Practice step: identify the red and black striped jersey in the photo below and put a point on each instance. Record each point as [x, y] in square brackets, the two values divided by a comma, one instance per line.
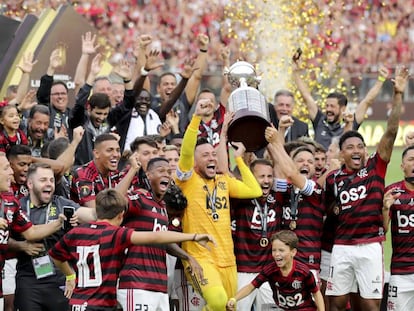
[358, 199]
[96, 251]
[402, 230]
[212, 129]
[145, 267]
[17, 222]
[291, 292]
[308, 226]
[87, 182]
[247, 228]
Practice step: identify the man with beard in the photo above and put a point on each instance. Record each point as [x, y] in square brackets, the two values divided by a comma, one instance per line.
[208, 196]
[320, 160]
[355, 193]
[37, 281]
[253, 223]
[92, 113]
[13, 219]
[98, 174]
[37, 131]
[328, 125]
[397, 209]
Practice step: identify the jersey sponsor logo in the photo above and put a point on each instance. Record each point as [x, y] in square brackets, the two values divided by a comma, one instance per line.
[404, 222]
[158, 227]
[4, 236]
[219, 203]
[352, 195]
[256, 222]
[81, 307]
[289, 300]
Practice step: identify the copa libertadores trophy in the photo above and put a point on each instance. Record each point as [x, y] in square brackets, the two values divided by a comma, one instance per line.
[249, 105]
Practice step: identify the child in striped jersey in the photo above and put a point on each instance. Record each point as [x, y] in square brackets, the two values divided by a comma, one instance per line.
[98, 248]
[293, 284]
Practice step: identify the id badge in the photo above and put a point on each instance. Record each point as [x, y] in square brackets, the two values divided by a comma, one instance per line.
[43, 266]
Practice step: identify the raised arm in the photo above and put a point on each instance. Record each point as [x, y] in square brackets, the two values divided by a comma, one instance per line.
[26, 67]
[284, 161]
[363, 106]
[186, 162]
[222, 154]
[43, 92]
[386, 143]
[67, 157]
[88, 48]
[303, 88]
[200, 66]
[226, 89]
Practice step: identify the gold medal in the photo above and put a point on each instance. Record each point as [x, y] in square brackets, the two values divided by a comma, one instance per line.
[264, 242]
[292, 225]
[336, 210]
[175, 222]
[215, 216]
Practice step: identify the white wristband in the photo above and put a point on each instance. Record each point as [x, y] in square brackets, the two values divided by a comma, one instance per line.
[144, 72]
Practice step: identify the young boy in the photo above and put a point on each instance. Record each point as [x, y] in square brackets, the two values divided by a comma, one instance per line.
[98, 249]
[292, 283]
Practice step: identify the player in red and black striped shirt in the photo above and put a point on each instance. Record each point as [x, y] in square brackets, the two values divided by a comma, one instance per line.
[293, 284]
[398, 208]
[99, 174]
[98, 249]
[251, 235]
[355, 192]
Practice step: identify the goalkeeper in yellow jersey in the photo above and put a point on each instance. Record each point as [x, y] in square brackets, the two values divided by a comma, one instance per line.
[209, 209]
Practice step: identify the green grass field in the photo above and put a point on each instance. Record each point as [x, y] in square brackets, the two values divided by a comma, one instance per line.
[394, 174]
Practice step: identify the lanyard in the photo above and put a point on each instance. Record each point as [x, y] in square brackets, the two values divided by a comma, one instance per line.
[47, 212]
[209, 132]
[212, 201]
[102, 182]
[294, 200]
[263, 216]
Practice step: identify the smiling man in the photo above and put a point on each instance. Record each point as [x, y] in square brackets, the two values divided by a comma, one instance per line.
[208, 208]
[355, 194]
[98, 174]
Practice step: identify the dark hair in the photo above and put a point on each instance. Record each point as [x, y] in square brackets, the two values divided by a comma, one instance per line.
[109, 203]
[202, 141]
[174, 198]
[152, 162]
[142, 140]
[168, 73]
[104, 137]
[42, 109]
[292, 145]
[58, 82]
[34, 166]
[411, 147]
[319, 148]
[57, 147]
[260, 161]
[17, 150]
[100, 101]
[296, 151]
[342, 100]
[349, 134]
[286, 236]
[3, 109]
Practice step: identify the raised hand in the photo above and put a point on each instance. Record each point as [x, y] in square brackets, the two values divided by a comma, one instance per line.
[203, 41]
[204, 107]
[55, 60]
[88, 44]
[188, 68]
[153, 61]
[27, 63]
[123, 69]
[239, 149]
[96, 64]
[401, 78]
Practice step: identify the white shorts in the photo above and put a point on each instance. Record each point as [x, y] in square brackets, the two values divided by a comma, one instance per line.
[1, 304]
[188, 298]
[401, 292]
[356, 267]
[9, 276]
[170, 262]
[139, 299]
[261, 298]
[325, 261]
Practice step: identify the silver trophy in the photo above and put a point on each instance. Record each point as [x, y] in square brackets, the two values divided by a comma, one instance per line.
[249, 105]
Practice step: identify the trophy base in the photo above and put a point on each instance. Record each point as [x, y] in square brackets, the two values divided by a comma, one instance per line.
[249, 128]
